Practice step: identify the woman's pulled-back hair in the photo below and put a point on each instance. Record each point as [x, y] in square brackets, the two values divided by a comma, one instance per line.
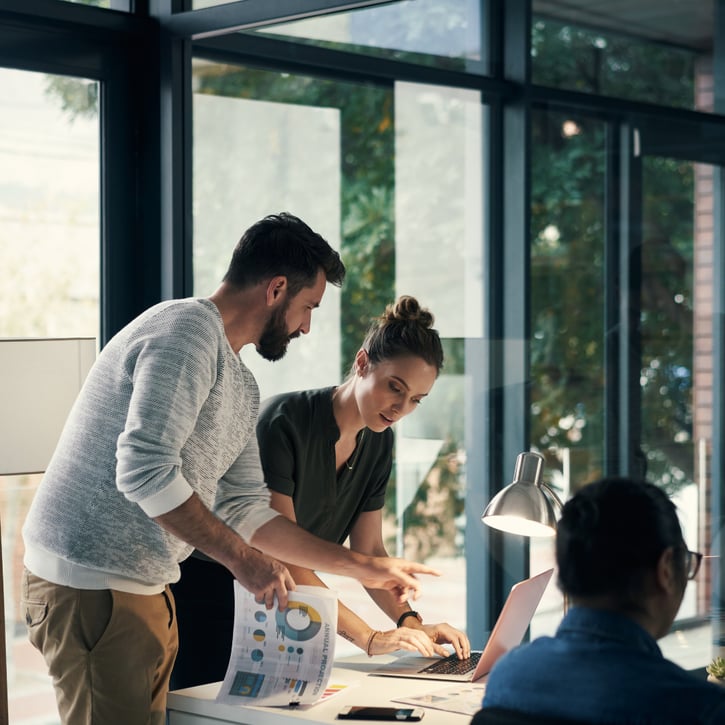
[405, 328]
[611, 533]
[282, 244]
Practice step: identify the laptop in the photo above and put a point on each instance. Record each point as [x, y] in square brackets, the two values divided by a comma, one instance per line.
[508, 632]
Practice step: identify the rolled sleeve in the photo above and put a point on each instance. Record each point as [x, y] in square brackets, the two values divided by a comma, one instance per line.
[168, 499]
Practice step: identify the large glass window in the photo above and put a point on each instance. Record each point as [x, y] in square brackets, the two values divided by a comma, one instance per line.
[661, 53]
[666, 320]
[567, 299]
[567, 314]
[49, 253]
[672, 341]
[676, 367]
[393, 177]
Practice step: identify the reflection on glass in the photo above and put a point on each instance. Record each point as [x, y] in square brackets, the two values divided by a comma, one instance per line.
[439, 33]
[614, 56]
[676, 361]
[360, 164]
[49, 254]
[666, 322]
[567, 301]
[567, 314]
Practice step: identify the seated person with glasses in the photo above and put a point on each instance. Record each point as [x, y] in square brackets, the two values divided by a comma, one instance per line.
[623, 566]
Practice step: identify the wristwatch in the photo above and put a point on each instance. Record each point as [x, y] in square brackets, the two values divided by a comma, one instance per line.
[409, 613]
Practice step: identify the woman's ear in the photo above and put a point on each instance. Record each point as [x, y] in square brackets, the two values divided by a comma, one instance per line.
[361, 362]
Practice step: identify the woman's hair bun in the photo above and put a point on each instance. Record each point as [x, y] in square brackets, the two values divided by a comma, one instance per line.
[407, 309]
[405, 328]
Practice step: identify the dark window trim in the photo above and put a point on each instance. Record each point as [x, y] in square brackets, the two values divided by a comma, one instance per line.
[118, 51]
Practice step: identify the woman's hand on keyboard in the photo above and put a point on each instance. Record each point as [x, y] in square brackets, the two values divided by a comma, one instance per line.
[424, 638]
[443, 633]
[407, 638]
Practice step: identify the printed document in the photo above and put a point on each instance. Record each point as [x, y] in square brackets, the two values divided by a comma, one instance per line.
[465, 698]
[281, 657]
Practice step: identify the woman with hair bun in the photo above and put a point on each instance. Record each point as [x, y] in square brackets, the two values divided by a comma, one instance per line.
[327, 455]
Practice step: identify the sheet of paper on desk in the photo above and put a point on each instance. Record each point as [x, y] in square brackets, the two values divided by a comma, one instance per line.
[281, 657]
[465, 698]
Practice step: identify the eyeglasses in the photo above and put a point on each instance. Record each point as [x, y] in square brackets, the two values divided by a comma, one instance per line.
[693, 559]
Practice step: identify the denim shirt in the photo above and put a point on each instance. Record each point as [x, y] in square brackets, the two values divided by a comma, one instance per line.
[603, 668]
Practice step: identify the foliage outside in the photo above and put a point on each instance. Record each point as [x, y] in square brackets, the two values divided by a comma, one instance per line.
[568, 248]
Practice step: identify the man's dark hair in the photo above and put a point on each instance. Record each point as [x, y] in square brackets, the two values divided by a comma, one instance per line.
[611, 533]
[282, 244]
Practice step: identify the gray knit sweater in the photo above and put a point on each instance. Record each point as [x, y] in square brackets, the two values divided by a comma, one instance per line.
[167, 409]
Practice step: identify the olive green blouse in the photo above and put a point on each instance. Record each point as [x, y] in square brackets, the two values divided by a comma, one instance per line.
[297, 433]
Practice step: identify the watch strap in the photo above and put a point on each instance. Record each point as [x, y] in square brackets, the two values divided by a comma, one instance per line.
[409, 613]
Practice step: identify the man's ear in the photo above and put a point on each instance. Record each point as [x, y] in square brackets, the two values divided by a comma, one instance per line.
[667, 571]
[361, 362]
[276, 290]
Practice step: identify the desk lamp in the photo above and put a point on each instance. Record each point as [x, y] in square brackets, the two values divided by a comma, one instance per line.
[39, 381]
[527, 506]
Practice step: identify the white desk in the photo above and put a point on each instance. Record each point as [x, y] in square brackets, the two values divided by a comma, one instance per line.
[196, 706]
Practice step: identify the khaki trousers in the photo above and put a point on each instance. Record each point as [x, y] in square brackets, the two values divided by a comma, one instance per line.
[109, 653]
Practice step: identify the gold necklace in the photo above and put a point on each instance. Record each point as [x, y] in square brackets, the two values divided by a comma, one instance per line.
[350, 462]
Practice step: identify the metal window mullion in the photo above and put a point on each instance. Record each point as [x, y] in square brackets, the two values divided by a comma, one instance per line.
[628, 421]
[612, 293]
[516, 273]
[174, 122]
[509, 555]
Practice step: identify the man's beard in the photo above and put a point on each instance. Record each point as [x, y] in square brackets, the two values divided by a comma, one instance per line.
[274, 339]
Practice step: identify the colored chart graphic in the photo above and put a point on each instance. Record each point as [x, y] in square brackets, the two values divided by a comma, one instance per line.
[299, 621]
[246, 684]
[259, 635]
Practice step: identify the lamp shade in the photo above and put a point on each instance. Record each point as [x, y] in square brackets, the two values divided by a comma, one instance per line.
[39, 382]
[526, 506]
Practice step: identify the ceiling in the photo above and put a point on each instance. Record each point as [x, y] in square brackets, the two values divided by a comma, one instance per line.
[687, 23]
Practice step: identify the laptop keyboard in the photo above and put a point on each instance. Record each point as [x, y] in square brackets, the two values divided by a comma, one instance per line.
[451, 665]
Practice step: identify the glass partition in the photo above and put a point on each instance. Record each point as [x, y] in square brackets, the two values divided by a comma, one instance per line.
[567, 296]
